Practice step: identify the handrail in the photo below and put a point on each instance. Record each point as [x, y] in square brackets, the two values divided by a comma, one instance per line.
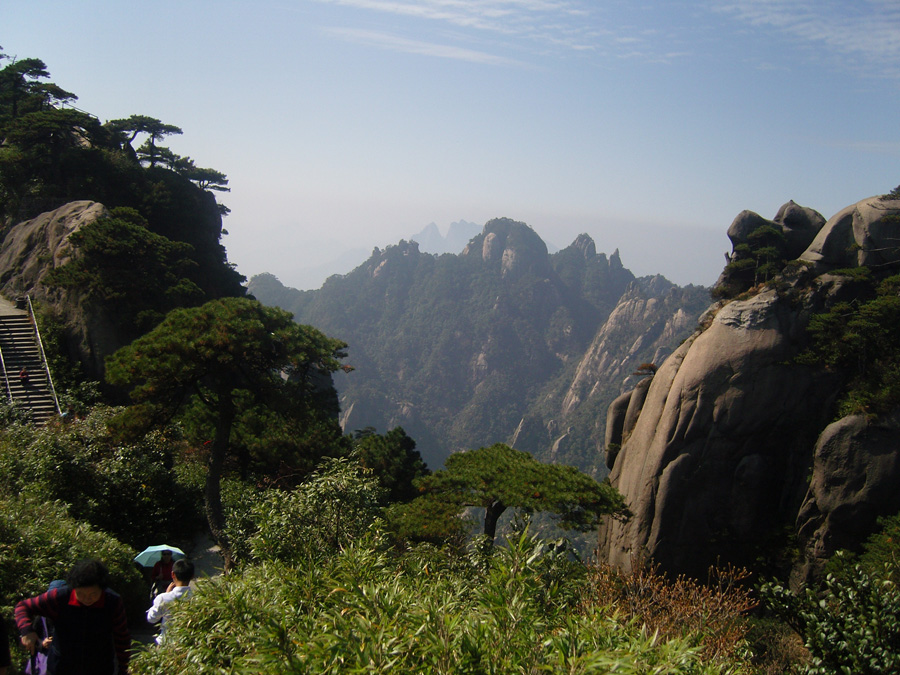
[40, 344]
[5, 378]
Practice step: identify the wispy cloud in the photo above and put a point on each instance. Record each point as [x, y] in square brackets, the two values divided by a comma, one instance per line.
[864, 33]
[561, 24]
[401, 44]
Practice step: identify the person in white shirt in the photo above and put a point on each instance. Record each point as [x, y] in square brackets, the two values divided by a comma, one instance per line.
[182, 573]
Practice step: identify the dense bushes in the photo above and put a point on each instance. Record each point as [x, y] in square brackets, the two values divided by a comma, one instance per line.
[851, 625]
[126, 490]
[328, 592]
[366, 609]
[39, 542]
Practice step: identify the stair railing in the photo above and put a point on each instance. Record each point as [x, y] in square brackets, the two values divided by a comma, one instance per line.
[40, 345]
[9, 395]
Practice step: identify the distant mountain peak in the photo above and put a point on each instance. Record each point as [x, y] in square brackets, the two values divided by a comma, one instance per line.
[585, 244]
[431, 240]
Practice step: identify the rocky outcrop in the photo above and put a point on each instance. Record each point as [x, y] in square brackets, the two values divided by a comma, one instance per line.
[514, 246]
[650, 317]
[712, 458]
[731, 444]
[34, 247]
[855, 474]
[798, 224]
[864, 234]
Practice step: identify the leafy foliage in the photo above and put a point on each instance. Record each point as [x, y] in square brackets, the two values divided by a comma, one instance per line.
[40, 541]
[332, 508]
[135, 274]
[862, 340]
[498, 477]
[126, 490]
[393, 460]
[364, 610]
[851, 625]
[51, 154]
[231, 356]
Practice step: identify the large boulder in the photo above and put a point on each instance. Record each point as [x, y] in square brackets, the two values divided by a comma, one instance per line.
[34, 247]
[855, 474]
[863, 234]
[798, 224]
[716, 461]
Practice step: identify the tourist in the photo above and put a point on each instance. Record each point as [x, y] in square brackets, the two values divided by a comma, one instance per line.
[180, 589]
[90, 627]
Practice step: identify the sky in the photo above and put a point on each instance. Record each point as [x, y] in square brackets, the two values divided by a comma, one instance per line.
[345, 125]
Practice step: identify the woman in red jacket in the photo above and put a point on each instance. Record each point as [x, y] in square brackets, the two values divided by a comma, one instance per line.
[90, 627]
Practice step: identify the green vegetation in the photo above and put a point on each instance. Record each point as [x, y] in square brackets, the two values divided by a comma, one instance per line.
[524, 607]
[128, 269]
[756, 261]
[232, 357]
[498, 477]
[52, 153]
[861, 341]
[393, 459]
[344, 553]
[850, 625]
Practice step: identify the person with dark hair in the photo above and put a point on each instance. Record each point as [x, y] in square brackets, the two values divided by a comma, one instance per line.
[180, 588]
[90, 627]
[161, 576]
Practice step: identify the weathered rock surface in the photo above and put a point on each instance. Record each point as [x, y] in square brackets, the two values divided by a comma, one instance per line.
[711, 459]
[34, 247]
[856, 471]
[798, 224]
[714, 457]
[864, 234]
[515, 246]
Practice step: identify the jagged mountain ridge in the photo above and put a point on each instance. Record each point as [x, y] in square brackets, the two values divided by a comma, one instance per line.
[489, 345]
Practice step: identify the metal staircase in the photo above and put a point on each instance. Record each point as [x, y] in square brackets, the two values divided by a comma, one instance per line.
[26, 377]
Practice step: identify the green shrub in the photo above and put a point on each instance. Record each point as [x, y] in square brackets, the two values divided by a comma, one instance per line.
[39, 542]
[850, 626]
[365, 609]
[335, 505]
[128, 490]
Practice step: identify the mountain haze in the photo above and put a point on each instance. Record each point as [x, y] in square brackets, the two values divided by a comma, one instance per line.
[430, 239]
[503, 342]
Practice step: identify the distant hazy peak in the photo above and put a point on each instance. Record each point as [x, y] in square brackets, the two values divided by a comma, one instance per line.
[586, 245]
[458, 235]
[615, 261]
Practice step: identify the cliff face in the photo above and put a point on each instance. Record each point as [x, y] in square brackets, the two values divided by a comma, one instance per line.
[29, 251]
[145, 278]
[729, 447]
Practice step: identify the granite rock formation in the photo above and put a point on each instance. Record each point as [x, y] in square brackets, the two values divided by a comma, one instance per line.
[29, 251]
[730, 445]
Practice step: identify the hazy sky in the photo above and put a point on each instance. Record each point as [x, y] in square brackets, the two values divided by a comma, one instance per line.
[355, 123]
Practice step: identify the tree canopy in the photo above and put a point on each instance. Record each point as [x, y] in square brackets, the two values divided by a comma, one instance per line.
[228, 356]
[498, 477]
[394, 461]
[135, 274]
